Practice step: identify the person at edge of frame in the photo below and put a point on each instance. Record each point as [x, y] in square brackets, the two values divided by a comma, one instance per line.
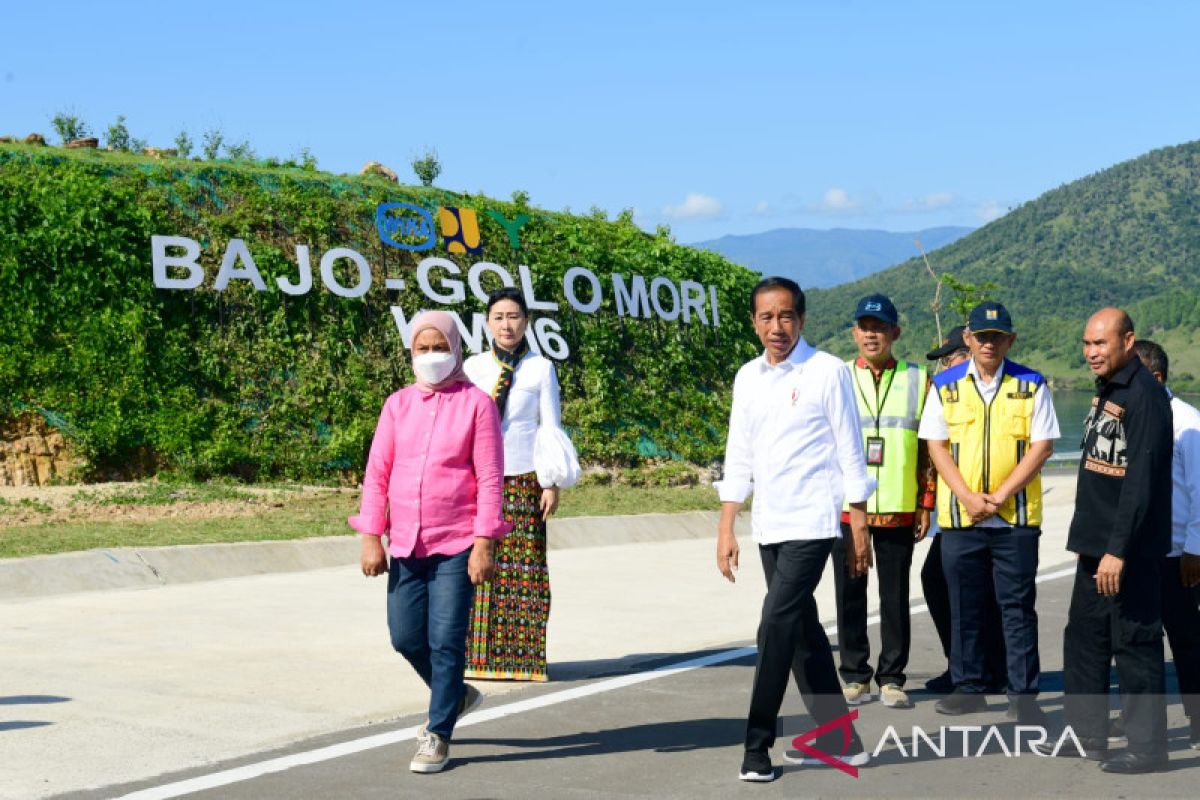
[1181, 566]
[795, 439]
[890, 396]
[991, 426]
[952, 352]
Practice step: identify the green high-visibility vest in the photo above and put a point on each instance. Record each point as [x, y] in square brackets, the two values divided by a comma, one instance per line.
[890, 410]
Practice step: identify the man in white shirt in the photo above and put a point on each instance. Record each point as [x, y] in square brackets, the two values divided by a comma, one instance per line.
[796, 441]
[1181, 567]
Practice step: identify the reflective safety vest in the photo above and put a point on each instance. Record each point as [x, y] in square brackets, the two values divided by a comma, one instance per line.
[987, 440]
[890, 413]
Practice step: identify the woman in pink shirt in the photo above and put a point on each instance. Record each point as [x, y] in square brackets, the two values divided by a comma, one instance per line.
[433, 487]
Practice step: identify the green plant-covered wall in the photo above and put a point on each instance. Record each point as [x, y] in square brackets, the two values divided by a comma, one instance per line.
[267, 385]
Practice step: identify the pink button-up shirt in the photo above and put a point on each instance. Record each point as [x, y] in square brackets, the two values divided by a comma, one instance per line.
[435, 474]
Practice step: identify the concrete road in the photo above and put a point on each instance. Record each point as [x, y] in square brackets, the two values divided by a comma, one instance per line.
[102, 689]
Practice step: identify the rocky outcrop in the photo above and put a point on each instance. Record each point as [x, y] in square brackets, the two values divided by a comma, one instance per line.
[160, 152]
[34, 454]
[87, 141]
[7, 139]
[375, 168]
[35, 138]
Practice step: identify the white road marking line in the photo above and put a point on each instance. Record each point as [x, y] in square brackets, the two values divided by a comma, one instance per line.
[226, 777]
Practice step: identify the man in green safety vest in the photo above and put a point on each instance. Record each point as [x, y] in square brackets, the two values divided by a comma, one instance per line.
[891, 396]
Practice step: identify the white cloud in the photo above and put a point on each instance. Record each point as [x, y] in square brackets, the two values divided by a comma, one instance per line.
[762, 208]
[930, 202]
[839, 201]
[990, 210]
[695, 206]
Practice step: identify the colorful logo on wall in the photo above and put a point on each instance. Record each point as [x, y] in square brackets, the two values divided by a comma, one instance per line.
[460, 229]
[409, 227]
[405, 226]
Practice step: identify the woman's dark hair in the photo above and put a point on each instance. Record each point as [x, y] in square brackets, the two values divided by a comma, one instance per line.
[776, 282]
[508, 293]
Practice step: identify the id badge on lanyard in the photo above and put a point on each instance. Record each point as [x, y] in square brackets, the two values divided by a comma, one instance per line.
[874, 451]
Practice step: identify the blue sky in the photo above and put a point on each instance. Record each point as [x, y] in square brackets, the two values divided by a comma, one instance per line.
[713, 118]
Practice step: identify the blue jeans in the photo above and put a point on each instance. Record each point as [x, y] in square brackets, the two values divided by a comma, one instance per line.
[428, 608]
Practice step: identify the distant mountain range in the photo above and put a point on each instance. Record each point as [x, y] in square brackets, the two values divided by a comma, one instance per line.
[1127, 236]
[823, 258]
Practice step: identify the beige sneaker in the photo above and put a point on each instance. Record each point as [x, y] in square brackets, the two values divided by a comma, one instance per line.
[432, 754]
[857, 693]
[893, 696]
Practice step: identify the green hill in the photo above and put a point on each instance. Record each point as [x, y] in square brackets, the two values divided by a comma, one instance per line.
[1126, 236]
[251, 380]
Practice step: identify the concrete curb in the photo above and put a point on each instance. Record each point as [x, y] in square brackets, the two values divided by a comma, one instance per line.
[152, 567]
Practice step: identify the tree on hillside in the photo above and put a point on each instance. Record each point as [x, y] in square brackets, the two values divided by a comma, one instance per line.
[183, 144]
[68, 126]
[117, 136]
[241, 151]
[213, 139]
[427, 167]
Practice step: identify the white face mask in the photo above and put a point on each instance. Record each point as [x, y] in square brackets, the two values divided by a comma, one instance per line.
[433, 368]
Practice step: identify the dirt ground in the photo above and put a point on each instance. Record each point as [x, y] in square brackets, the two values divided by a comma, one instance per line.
[144, 501]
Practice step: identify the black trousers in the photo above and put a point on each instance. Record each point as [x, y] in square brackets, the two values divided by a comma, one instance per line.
[790, 637]
[1009, 556]
[937, 597]
[1181, 618]
[1127, 628]
[893, 560]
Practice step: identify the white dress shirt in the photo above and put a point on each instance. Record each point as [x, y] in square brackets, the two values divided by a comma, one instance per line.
[534, 440]
[1185, 479]
[795, 440]
[1042, 426]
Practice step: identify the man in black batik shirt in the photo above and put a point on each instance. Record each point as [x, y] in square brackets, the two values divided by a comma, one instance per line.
[1121, 530]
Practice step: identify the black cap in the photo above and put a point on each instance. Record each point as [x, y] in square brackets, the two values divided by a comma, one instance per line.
[989, 316]
[879, 307]
[951, 344]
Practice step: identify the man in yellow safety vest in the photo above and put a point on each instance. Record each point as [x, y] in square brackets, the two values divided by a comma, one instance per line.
[990, 425]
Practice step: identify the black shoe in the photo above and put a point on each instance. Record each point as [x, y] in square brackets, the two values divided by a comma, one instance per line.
[1026, 711]
[1129, 763]
[1092, 750]
[757, 767]
[960, 702]
[942, 684]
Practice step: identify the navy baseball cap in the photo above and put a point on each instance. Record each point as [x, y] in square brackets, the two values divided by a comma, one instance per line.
[879, 307]
[951, 344]
[989, 316]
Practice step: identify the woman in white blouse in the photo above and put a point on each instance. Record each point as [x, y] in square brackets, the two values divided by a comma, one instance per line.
[507, 636]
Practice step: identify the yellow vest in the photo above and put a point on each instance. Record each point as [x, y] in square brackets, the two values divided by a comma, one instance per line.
[988, 440]
[891, 411]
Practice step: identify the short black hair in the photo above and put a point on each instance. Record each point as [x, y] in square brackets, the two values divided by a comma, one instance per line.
[1125, 326]
[1153, 357]
[508, 293]
[777, 282]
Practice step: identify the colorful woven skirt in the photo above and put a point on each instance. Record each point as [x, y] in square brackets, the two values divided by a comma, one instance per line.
[507, 636]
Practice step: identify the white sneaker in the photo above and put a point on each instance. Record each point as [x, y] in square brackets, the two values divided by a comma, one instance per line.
[860, 759]
[433, 752]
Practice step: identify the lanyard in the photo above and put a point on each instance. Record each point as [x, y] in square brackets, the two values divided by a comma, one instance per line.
[878, 412]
